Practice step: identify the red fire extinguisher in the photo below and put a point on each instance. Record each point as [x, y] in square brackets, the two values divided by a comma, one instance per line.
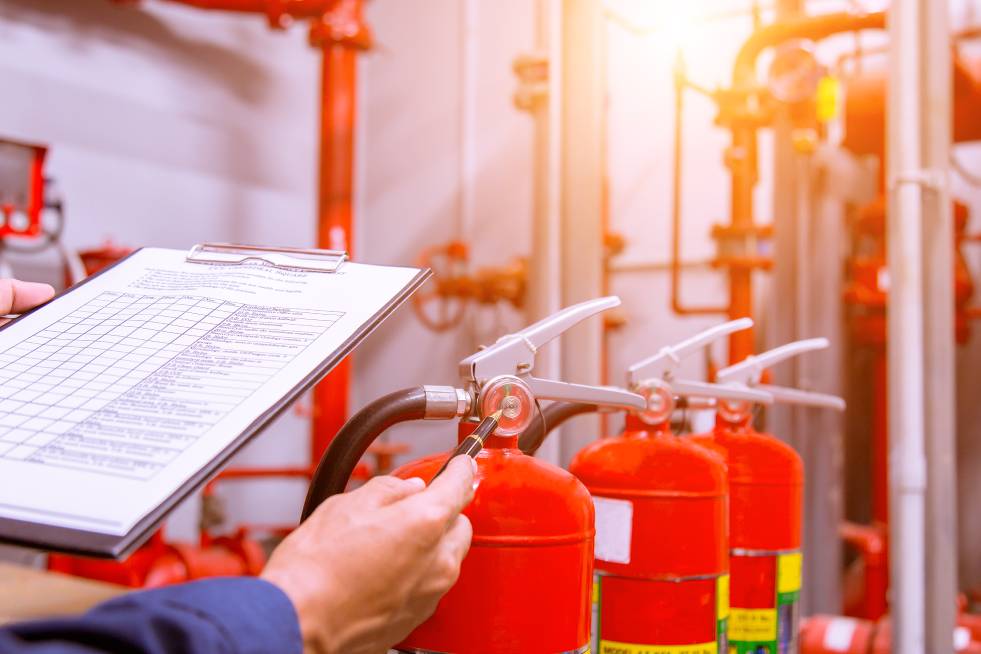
[661, 581]
[529, 569]
[766, 484]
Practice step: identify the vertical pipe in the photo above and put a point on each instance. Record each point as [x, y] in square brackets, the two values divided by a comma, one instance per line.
[907, 477]
[939, 338]
[545, 274]
[781, 323]
[338, 93]
[468, 118]
[583, 128]
[880, 439]
[742, 160]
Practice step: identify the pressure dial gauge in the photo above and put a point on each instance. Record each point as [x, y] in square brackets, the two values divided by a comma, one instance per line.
[794, 73]
[660, 402]
[513, 398]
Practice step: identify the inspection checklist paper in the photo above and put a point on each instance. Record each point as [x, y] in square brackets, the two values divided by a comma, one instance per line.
[121, 396]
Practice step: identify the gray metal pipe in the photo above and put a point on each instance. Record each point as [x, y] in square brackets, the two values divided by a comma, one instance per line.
[939, 336]
[545, 263]
[907, 460]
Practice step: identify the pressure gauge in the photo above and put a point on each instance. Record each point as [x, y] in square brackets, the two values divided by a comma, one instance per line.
[660, 402]
[513, 399]
[794, 73]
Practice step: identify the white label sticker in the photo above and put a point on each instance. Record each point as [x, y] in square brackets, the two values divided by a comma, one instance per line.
[962, 638]
[838, 637]
[614, 529]
[882, 279]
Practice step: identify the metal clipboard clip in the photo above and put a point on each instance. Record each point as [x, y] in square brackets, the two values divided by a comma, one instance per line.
[297, 259]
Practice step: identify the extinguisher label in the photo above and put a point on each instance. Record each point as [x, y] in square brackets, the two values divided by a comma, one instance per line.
[752, 625]
[755, 627]
[610, 647]
[789, 568]
[614, 529]
[601, 645]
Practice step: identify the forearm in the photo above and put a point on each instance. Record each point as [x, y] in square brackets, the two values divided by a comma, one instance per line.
[233, 615]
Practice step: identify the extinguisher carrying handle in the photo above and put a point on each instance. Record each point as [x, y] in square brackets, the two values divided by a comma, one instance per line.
[785, 395]
[750, 370]
[667, 360]
[691, 388]
[360, 431]
[549, 418]
[514, 355]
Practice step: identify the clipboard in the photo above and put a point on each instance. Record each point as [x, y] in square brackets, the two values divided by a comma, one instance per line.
[292, 263]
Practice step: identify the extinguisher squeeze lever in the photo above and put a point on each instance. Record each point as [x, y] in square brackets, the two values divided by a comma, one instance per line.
[749, 373]
[513, 356]
[653, 379]
[657, 373]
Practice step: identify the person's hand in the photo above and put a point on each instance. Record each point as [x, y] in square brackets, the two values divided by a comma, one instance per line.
[368, 566]
[17, 296]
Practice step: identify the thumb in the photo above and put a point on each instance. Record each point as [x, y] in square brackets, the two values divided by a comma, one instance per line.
[17, 296]
[453, 489]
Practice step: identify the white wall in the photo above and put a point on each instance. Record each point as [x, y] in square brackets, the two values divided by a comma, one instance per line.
[168, 126]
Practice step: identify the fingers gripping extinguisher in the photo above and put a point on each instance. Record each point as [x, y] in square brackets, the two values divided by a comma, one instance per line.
[661, 564]
[766, 483]
[524, 587]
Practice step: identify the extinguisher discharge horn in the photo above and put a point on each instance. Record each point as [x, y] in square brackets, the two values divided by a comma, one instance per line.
[748, 373]
[656, 376]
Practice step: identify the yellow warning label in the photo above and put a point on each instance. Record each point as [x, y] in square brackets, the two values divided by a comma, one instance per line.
[722, 597]
[595, 591]
[752, 624]
[611, 647]
[789, 572]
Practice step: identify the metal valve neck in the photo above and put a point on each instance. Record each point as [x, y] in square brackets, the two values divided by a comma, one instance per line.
[636, 425]
[734, 416]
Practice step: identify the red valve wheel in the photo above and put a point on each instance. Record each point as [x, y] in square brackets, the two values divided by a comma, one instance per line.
[442, 303]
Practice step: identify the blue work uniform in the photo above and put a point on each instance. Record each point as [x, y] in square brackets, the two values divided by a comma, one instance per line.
[233, 615]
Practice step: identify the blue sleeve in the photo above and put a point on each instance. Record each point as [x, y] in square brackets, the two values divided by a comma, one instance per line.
[233, 615]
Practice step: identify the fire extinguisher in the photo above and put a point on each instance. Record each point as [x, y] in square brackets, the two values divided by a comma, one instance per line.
[766, 484]
[661, 581]
[529, 568]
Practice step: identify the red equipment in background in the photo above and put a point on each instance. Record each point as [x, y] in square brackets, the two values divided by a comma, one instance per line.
[21, 188]
[825, 634]
[867, 581]
[766, 487]
[443, 303]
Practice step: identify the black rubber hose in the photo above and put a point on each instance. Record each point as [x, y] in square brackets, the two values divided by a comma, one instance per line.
[548, 419]
[354, 438]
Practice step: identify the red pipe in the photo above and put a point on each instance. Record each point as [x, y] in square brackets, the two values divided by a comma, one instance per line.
[805, 27]
[279, 12]
[340, 35]
[742, 153]
[869, 599]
